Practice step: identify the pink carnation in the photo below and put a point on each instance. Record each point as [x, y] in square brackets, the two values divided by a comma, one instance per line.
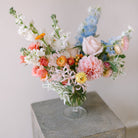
[34, 46]
[92, 66]
[125, 43]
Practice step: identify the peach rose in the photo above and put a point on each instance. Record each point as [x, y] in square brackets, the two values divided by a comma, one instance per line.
[91, 46]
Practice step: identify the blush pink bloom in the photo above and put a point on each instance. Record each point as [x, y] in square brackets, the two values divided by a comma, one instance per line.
[125, 43]
[43, 61]
[52, 59]
[92, 66]
[22, 59]
[91, 46]
[34, 71]
[34, 46]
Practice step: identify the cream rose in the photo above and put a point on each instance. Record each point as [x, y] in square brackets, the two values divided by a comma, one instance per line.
[91, 46]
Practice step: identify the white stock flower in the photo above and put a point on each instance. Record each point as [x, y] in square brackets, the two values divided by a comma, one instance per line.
[34, 56]
[61, 43]
[25, 32]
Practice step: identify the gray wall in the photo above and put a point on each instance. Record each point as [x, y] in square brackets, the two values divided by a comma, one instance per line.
[18, 88]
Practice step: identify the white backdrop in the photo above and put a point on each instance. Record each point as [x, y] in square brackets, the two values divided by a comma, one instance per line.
[18, 89]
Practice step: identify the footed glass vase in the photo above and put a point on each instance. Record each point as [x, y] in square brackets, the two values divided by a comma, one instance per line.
[75, 110]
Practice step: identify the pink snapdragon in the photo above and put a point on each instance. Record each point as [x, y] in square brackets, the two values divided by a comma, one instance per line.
[92, 66]
[125, 43]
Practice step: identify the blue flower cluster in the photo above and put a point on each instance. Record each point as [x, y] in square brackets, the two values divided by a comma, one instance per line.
[110, 50]
[89, 26]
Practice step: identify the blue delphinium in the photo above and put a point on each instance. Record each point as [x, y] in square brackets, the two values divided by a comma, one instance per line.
[109, 49]
[89, 26]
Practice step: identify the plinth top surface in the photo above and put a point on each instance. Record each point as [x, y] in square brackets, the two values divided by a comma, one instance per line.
[52, 122]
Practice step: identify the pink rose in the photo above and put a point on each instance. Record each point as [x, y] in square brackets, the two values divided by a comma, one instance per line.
[91, 46]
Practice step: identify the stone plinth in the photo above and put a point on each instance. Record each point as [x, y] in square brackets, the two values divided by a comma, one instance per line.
[49, 122]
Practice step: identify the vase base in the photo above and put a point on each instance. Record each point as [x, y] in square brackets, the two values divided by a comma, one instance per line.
[75, 112]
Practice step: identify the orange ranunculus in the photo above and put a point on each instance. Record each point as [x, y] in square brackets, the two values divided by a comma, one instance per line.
[40, 36]
[61, 61]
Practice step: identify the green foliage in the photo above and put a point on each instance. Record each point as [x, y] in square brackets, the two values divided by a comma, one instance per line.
[122, 56]
[55, 25]
[12, 11]
[113, 66]
[34, 30]
[23, 49]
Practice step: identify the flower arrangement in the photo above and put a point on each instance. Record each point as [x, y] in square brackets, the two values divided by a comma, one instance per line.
[65, 67]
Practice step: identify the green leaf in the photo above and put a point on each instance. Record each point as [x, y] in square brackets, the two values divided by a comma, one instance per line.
[53, 16]
[113, 66]
[122, 56]
[69, 87]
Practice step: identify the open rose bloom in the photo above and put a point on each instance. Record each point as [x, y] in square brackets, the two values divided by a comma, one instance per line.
[67, 67]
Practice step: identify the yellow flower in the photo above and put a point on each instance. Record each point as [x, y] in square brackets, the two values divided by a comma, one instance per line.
[81, 77]
[40, 36]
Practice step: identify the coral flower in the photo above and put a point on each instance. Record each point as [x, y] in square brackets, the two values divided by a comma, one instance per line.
[64, 82]
[43, 61]
[40, 36]
[61, 61]
[34, 71]
[42, 73]
[34, 46]
[22, 59]
[92, 66]
[125, 43]
[70, 61]
[81, 77]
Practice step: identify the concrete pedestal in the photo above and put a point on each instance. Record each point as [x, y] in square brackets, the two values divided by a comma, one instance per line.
[48, 120]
